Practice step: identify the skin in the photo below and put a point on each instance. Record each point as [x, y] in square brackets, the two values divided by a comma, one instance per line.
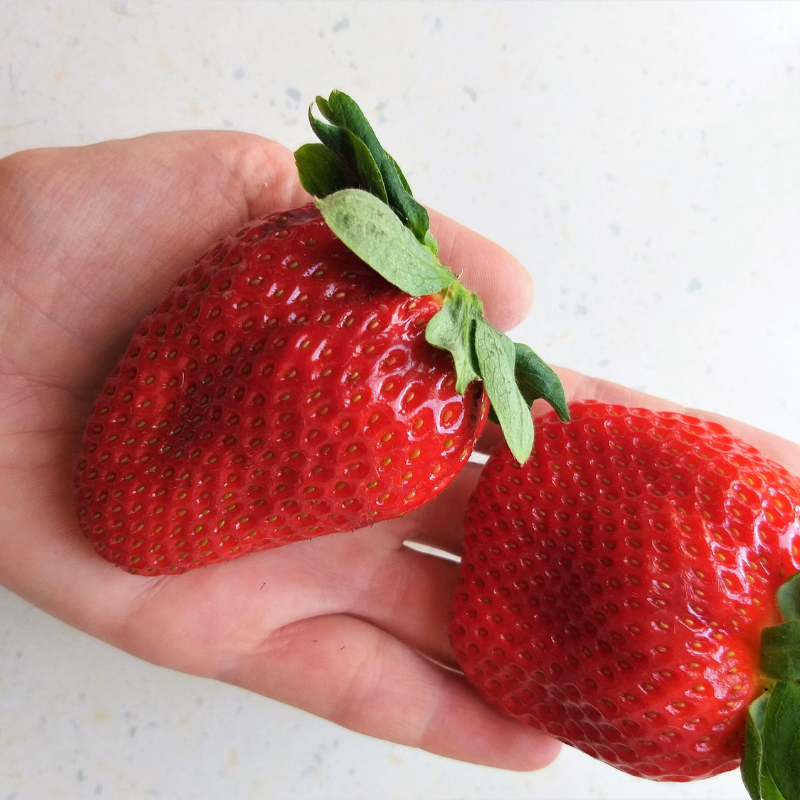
[351, 627]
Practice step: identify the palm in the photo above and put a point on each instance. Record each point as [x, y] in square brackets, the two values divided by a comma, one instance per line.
[351, 626]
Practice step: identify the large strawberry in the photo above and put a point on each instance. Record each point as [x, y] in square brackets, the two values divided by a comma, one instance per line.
[616, 587]
[316, 371]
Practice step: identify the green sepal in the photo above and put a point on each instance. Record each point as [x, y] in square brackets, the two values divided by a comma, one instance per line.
[431, 243]
[428, 240]
[453, 329]
[771, 761]
[338, 142]
[357, 160]
[755, 776]
[347, 114]
[769, 791]
[753, 748]
[538, 381]
[320, 170]
[496, 357]
[781, 737]
[370, 229]
[788, 596]
[399, 173]
[325, 109]
[349, 135]
[368, 170]
[780, 651]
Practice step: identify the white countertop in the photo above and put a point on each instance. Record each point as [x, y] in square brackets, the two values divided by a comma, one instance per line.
[642, 160]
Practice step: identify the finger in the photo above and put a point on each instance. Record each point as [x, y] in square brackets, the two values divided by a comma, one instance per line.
[778, 449]
[584, 387]
[368, 574]
[501, 282]
[332, 665]
[581, 387]
[360, 677]
[440, 522]
[408, 594]
[578, 386]
[231, 608]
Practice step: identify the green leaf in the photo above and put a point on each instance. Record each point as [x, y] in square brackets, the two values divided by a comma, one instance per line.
[789, 598]
[769, 791]
[781, 736]
[334, 139]
[373, 232]
[320, 170]
[753, 752]
[325, 109]
[346, 113]
[428, 239]
[431, 243]
[399, 173]
[453, 329]
[404, 203]
[348, 134]
[357, 163]
[780, 651]
[537, 381]
[369, 174]
[496, 357]
[755, 776]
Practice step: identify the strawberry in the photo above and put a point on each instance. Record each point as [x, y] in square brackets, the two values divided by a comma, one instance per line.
[317, 371]
[618, 590]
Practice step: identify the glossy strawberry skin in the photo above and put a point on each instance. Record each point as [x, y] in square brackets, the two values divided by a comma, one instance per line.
[613, 589]
[281, 390]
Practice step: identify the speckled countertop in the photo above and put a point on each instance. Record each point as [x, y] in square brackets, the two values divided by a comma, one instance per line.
[641, 159]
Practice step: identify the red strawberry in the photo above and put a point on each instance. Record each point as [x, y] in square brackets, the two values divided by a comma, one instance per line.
[614, 588]
[282, 388]
[285, 388]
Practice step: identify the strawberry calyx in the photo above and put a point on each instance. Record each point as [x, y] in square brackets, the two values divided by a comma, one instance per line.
[367, 202]
[771, 762]
[349, 156]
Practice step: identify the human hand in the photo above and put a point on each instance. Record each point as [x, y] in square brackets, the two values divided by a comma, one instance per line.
[349, 626]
